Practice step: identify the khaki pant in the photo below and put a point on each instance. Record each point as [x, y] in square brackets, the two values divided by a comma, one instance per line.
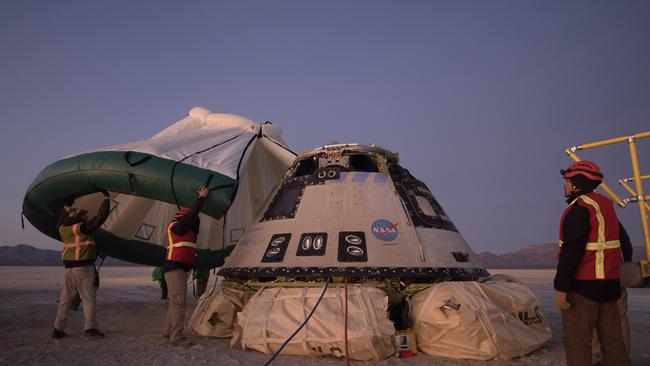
[578, 324]
[177, 287]
[625, 327]
[78, 280]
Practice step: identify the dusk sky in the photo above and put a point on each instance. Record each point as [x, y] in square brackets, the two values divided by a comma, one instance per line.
[480, 98]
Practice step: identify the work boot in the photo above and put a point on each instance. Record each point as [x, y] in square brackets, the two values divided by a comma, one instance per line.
[93, 334]
[58, 333]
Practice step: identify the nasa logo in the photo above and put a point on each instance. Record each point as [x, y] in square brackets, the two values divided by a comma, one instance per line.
[384, 230]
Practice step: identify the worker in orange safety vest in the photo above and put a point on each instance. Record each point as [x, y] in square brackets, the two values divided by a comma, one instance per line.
[181, 236]
[587, 281]
[79, 254]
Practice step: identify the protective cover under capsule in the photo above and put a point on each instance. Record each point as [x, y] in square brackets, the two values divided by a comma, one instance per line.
[350, 210]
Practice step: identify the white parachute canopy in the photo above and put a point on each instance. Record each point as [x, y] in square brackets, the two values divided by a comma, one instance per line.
[252, 154]
[214, 141]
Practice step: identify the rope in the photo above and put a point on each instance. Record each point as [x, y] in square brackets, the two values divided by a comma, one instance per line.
[299, 328]
[171, 178]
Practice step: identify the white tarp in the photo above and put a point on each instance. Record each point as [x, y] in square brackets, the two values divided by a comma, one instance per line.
[481, 321]
[224, 143]
[273, 314]
[222, 138]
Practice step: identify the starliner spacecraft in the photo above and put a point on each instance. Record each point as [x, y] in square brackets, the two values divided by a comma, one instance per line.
[350, 250]
[351, 210]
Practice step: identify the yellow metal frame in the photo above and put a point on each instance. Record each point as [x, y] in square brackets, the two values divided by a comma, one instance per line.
[633, 198]
[637, 193]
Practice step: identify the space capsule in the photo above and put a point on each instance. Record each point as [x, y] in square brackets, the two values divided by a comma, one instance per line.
[352, 256]
[351, 210]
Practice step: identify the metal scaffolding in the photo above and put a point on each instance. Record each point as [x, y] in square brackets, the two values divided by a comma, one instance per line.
[637, 194]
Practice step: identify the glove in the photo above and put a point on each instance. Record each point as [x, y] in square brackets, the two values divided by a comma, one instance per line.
[203, 192]
[105, 193]
[560, 301]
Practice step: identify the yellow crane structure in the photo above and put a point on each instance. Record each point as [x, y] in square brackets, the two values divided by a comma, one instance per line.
[636, 274]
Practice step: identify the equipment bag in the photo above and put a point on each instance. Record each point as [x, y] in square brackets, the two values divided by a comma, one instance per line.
[481, 321]
[273, 314]
[216, 312]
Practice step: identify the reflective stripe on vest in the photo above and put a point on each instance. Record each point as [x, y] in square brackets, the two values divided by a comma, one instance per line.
[603, 247]
[171, 245]
[77, 244]
[602, 244]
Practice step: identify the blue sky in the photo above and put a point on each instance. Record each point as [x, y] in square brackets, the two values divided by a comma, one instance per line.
[480, 98]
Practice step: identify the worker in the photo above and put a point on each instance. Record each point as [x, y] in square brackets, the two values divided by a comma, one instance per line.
[157, 275]
[587, 281]
[78, 256]
[181, 251]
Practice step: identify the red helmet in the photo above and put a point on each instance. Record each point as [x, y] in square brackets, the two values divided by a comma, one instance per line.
[182, 212]
[586, 168]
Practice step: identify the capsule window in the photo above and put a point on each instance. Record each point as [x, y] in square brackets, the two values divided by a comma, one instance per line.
[285, 203]
[425, 206]
[362, 163]
[306, 167]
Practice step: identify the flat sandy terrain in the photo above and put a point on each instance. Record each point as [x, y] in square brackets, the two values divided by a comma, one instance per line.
[131, 314]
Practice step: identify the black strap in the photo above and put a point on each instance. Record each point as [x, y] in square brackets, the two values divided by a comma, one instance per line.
[142, 160]
[132, 183]
[282, 146]
[207, 181]
[171, 178]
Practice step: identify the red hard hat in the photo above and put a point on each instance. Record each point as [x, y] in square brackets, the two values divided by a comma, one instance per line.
[587, 168]
[182, 212]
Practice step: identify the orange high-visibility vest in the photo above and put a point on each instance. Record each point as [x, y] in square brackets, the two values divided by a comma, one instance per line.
[603, 257]
[181, 248]
[77, 246]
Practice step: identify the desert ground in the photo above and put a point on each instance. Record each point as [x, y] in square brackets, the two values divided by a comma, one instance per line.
[131, 314]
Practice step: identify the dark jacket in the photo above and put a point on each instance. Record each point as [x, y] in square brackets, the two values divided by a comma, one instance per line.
[87, 227]
[189, 221]
[575, 233]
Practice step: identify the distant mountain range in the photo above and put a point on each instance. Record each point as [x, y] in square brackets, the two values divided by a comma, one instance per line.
[535, 256]
[27, 255]
[531, 256]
